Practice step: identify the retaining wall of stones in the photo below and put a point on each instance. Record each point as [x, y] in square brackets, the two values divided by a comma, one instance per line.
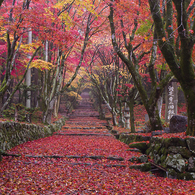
[176, 155]
[14, 133]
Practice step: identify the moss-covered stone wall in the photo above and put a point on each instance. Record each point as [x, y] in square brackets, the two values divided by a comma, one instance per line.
[176, 155]
[14, 133]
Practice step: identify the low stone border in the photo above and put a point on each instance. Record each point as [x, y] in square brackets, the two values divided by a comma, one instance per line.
[176, 155]
[14, 133]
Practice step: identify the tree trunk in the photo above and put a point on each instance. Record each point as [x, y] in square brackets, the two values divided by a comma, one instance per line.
[182, 67]
[191, 119]
[28, 82]
[155, 122]
[190, 102]
[114, 120]
[56, 106]
[47, 117]
[35, 93]
[16, 114]
[28, 75]
[121, 122]
[55, 112]
[1, 101]
[48, 113]
[131, 110]
[101, 112]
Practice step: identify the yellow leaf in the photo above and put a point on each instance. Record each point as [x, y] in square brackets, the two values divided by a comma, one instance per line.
[146, 37]
[41, 64]
[163, 39]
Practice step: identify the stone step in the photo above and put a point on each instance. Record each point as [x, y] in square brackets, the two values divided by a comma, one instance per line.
[82, 134]
[83, 127]
[112, 158]
[77, 116]
[83, 164]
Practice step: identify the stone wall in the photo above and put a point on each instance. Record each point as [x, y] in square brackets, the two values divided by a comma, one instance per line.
[176, 155]
[129, 138]
[14, 133]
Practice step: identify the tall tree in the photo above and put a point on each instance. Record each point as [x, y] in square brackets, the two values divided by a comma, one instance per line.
[176, 42]
[14, 39]
[133, 56]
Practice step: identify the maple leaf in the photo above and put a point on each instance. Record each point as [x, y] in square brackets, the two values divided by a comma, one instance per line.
[41, 64]
[129, 85]
[163, 39]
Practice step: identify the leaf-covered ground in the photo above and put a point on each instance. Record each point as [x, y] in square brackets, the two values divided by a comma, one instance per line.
[82, 158]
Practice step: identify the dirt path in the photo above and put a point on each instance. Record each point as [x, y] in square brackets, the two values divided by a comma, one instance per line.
[82, 158]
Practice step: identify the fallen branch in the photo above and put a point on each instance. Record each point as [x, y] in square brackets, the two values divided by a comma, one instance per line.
[158, 166]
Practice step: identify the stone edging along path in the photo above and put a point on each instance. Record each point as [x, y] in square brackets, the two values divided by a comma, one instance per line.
[174, 154]
[15, 133]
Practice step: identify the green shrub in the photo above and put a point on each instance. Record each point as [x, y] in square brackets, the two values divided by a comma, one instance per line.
[23, 112]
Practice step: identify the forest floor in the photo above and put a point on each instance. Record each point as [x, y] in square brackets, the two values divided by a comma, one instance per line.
[83, 158]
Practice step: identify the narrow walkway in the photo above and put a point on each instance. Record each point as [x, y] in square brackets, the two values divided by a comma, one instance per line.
[81, 159]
